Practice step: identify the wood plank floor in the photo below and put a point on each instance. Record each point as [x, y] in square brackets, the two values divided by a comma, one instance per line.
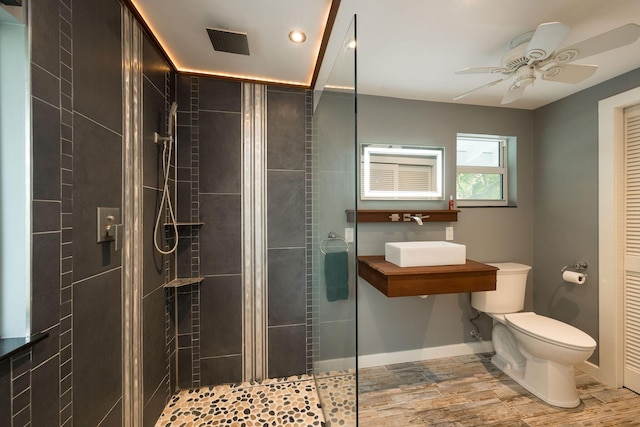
[470, 391]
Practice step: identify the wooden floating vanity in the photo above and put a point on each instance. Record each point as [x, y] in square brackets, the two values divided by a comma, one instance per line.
[394, 281]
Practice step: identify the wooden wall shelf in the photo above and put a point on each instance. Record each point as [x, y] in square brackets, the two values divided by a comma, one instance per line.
[394, 281]
[376, 215]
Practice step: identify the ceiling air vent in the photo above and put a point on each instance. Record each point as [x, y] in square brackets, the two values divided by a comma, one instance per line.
[229, 41]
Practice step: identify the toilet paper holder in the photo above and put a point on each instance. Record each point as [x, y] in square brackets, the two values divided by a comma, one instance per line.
[578, 267]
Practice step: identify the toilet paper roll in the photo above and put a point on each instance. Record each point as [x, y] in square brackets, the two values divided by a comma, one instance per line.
[574, 277]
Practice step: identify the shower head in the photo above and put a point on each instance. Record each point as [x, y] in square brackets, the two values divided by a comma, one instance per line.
[173, 116]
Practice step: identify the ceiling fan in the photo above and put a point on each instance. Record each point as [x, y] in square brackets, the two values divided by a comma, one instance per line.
[535, 52]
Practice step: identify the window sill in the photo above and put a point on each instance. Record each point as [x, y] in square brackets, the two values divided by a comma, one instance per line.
[11, 346]
[487, 206]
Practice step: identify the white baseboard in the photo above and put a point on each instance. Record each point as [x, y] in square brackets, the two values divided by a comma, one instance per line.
[462, 349]
[590, 369]
[380, 359]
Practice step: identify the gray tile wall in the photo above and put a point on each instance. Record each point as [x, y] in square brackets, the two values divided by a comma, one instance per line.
[158, 339]
[210, 170]
[286, 236]
[74, 377]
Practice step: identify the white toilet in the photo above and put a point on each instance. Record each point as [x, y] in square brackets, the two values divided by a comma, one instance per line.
[536, 351]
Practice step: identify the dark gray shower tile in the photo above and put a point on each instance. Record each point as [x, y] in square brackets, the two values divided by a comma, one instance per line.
[97, 68]
[183, 202]
[285, 130]
[114, 417]
[46, 151]
[46, 348]
[98, 180]
[221, 316]
[5, 392]
[45, 281]
[173, 367]
[45, 86]
[287, 351]
[183, 147]
[184, 310]
[183, 97]
[153, 121]
[46, 216]
[221, 234]
[45, 48]
[220, 152]
[44, 393]
[185, 368]
[221, 370]
[183, 257]
[97, 347]
[285, 209]
[153, 261]
[154, 357]
[220, 95]
[154, 66]
[287, 286]
[152, 410]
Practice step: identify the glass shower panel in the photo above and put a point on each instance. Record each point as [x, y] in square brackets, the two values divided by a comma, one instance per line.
[334, 281]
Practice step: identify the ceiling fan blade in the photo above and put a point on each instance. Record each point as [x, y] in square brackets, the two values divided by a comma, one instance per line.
[569, 73]
[514, 92]
[481, 87]
[481, 70]
[546, 39]
[613, 39]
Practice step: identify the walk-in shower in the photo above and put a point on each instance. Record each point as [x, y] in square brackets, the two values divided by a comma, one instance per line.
[168, 144]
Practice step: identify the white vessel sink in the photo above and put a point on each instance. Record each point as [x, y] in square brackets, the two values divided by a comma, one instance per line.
[424, 254]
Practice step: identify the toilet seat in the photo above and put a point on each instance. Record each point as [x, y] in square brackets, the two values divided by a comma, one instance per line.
[550, 330]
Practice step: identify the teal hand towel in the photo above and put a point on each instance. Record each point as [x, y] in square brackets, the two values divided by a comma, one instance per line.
[336, 275]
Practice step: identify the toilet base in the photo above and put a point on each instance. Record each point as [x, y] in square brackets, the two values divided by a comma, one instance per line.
[552, 382]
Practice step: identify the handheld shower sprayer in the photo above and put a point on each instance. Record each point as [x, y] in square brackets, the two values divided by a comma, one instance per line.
[173, 118]
[167, 155]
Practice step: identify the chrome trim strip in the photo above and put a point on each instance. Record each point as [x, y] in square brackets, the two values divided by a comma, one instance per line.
[255, 348]
[132, 220]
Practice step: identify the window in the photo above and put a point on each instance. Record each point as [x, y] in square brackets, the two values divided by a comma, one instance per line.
[481, 170]
[15, 193]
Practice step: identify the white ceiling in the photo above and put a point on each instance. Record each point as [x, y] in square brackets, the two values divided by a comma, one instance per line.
[406, 48]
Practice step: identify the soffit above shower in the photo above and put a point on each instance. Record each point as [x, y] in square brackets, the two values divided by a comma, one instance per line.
[181, 30]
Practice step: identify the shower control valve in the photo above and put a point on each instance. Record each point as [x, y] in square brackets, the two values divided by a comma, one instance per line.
[109, 226]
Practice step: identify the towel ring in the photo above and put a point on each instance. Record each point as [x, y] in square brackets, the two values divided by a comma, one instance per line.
[330, 237]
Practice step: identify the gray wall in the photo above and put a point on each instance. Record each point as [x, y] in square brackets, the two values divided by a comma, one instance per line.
[566, 203]
[490, 234]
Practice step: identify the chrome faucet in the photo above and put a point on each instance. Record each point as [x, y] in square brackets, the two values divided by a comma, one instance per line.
[407, 217]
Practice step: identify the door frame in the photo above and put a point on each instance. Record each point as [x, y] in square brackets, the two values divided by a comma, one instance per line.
[611, 235]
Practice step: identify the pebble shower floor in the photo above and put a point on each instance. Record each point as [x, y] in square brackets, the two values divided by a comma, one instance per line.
[291, 401]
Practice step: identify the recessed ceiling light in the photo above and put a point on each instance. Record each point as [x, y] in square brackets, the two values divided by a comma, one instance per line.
[297, 36]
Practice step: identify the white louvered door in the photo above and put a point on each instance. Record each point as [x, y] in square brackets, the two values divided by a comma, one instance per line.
[632, 250]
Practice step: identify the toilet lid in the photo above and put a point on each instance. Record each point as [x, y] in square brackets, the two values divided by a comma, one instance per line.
[550, 330]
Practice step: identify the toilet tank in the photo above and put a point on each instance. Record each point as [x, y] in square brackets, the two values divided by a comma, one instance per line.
[511, 283]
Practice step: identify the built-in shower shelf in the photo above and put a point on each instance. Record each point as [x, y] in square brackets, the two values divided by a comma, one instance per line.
[183, 281]
[184, 224]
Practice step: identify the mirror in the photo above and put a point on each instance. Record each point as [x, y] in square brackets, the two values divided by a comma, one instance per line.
[401, 172]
